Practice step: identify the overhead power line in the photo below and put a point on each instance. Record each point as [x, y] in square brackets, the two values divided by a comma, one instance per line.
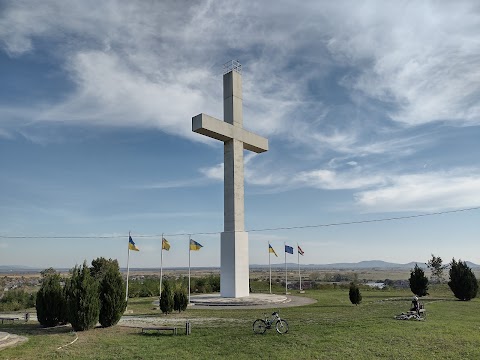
[251, 230]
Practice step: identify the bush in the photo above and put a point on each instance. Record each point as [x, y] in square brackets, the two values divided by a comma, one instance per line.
[50, 301]
[166, 300]
[15, 300]
[83, 304]
[354, 294]
[214, 281]
[112, 295]
[462, 282]
[180, 299]
[418, 281]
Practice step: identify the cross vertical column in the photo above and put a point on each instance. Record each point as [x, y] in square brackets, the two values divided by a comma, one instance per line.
[233, 155]
[234, 264]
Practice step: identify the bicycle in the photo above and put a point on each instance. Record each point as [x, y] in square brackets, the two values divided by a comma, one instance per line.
[260, 325]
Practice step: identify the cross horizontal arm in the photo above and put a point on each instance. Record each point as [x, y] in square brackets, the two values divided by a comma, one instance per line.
[223, 131]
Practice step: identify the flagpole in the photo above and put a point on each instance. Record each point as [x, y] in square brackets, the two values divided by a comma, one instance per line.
[298, 259]
[128, 267]
[189, 251]
[270, 267]
[285, 250]
[161, 272]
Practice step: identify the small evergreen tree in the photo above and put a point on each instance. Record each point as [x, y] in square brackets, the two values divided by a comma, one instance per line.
[180, 299]
[50, 302]
[112, 296]
[418, 281]
[83, 305]
[166, 299]
[463, 282]
[354, 294]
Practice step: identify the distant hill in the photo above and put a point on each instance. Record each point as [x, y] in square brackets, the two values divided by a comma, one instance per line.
[368, 264]
[14, 267]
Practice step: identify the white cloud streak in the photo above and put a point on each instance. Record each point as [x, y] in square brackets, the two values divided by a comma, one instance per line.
[424, 192]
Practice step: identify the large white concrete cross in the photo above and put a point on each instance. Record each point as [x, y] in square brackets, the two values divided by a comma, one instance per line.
[234, 264]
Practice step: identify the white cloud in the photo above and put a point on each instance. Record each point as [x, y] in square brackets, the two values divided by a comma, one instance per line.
[420, 56]
[413, 55]
[214, 172]
[111, 93]
[332, 180]
[167, 184]
[424, 192]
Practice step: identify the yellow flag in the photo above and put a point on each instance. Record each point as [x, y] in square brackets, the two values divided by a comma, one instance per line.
[165, 244]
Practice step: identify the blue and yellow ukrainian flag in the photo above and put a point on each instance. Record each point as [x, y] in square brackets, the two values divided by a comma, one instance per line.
[195, 245]
[270, 250]
[131, 244]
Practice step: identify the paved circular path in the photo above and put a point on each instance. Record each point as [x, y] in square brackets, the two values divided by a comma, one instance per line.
[254, 301]
[178, 319]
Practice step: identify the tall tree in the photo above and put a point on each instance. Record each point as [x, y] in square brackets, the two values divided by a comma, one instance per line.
[112, 291]
[83, 305]
[50, 301]
[436, 268]
[463, 282]
[418, 281]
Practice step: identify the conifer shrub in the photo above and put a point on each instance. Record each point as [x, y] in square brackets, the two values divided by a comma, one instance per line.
[354, 294]
[463, 282]
[418, 281]
[82, 298]
[166, 299]
[112, 294]
[50, 301]
[180, 299]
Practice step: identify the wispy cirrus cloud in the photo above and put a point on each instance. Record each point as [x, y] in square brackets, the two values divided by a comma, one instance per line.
[172, 184]
[424, 192]
[126, 62]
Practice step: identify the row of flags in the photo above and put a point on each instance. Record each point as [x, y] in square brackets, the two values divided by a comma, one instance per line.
[194, 246]
[288, 249]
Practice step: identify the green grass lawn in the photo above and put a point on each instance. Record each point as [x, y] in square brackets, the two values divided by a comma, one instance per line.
[332, 328]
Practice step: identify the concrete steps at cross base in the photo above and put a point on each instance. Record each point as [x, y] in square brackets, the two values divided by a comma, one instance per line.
[7, 340]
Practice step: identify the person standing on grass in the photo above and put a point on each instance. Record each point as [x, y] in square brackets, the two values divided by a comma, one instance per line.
[415, 306]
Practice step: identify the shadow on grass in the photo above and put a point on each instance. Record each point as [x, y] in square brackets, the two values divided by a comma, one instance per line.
[36, 329]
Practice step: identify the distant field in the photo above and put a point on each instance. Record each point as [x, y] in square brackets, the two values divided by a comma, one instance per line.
[330, 329]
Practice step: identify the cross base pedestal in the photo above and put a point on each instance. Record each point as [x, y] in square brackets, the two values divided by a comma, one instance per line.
[234, 265]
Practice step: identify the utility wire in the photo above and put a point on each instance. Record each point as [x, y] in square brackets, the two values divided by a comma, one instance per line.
[251, 230]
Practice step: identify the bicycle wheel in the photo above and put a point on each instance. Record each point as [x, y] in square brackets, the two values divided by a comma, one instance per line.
[259, 326]
[282, 326]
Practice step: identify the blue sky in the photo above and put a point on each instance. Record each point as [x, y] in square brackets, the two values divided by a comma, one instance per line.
[371, 110]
